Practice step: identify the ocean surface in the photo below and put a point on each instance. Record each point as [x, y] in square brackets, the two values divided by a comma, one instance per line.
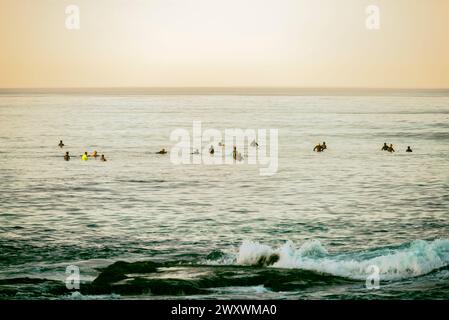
[140, 227]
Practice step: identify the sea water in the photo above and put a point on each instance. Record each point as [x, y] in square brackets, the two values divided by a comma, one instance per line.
[316, 229]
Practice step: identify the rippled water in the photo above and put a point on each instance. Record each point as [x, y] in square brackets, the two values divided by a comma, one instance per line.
[310, 231]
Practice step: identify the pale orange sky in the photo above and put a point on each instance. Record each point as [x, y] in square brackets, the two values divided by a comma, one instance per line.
[215, 43]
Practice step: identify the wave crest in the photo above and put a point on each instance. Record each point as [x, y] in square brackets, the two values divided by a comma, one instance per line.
[416, 258]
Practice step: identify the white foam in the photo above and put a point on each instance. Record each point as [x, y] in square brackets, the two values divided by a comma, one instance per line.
[415, 259]
[243, 290]
[76, 295]
[251, 252]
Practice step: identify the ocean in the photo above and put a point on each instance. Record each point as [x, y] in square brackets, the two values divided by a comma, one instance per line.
[352, 222]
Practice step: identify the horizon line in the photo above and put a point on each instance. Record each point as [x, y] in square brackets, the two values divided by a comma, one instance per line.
[218, 90]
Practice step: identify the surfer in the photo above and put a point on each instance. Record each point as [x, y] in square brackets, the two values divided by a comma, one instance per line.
[163, 151]
[67, 156]
[318, 148]
[254, 144]
[102, 158]
[61, 144]
[390, 148]
[94, 154]
[323, 146]
[385, 147]
[409, 149]
[84, 157]
[196, 152]
[211, 150]
[239, 157]
[234, 153]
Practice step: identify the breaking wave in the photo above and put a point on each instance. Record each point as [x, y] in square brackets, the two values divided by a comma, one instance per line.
[413, 259]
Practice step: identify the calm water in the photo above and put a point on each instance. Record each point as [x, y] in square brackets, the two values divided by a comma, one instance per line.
[310, 231]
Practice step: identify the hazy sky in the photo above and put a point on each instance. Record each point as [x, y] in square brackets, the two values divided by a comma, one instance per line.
[209, 43]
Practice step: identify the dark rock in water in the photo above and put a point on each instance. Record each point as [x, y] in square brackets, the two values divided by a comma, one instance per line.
[144, 278]
[264, 261]
[110, 281]
[215, 255]
[289, 280]
[19, 288]
[25, 280]
[118, 270]
[173, 287]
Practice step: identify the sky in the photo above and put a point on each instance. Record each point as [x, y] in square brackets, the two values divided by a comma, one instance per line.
[224, 43]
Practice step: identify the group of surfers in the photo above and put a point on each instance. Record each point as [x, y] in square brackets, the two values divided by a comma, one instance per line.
[390, 148]
[235, 154]
[84, 157]
[320, 147]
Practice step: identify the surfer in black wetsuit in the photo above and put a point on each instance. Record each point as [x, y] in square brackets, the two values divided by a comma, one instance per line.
[163, 151]
[61, 144]
[323, 146]
[67, 156]
[211, 150]
[318, 148]
[390, 148]
[385, 147]
[254, 144]
[409, 149]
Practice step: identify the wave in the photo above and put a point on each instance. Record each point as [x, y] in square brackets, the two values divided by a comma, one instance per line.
[413, 259]
[141, 180]
[259, 269]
